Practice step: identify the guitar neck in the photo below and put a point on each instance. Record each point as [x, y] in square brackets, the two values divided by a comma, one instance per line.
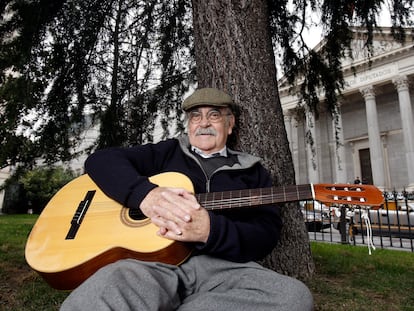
[254, 197]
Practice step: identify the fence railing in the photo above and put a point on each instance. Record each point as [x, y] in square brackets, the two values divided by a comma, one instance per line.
[390, 226]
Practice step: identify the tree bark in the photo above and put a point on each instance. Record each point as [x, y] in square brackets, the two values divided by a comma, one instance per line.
[233, 50]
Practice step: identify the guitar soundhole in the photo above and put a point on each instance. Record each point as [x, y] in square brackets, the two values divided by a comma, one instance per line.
[133, 217]
[135, 214]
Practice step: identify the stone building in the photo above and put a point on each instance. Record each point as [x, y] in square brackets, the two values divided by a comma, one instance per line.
[375, 129]
[4, 174]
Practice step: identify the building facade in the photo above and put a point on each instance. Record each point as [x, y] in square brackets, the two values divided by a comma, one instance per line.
[373, 137]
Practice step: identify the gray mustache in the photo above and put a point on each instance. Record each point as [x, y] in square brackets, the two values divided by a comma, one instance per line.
[206, 131]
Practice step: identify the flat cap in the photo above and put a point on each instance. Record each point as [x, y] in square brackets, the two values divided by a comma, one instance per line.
[207, 96]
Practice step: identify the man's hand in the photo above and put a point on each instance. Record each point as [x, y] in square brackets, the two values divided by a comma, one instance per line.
[177, 213]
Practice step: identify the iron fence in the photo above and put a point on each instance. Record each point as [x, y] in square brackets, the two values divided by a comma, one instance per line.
[389, 226]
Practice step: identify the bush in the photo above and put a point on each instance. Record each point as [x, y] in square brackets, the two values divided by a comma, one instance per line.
[31, 190]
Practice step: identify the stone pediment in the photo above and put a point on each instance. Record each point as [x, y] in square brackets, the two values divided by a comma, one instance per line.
[383, 45]
[360, 53]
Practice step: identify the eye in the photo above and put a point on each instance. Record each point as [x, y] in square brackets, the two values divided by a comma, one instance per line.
[214, 115]
[195, 116]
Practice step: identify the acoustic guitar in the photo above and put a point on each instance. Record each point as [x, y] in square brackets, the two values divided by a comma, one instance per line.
[81, 229]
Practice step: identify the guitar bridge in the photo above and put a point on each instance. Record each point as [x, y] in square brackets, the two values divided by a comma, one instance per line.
[80, 214]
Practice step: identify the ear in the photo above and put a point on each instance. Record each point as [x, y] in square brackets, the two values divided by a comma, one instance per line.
[231, 122]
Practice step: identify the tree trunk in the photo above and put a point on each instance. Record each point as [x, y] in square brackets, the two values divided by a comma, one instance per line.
[234, 52]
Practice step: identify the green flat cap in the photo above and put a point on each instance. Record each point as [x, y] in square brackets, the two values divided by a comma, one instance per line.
[207, 96]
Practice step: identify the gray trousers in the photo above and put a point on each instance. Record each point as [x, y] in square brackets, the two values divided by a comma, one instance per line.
[201, 283]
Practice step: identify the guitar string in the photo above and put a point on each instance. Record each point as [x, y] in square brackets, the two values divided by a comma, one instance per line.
[222, 203]
[209, 204]
[212, 198]
[209, 200]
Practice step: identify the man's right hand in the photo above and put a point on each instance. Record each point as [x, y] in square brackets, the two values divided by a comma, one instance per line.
[177, 213]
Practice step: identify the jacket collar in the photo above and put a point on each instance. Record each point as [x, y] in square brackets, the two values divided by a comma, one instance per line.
[245, 160]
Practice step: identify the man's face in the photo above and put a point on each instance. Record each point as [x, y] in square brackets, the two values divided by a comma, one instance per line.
[209, 127]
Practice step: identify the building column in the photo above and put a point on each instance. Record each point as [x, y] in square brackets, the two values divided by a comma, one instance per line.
[338, 134]
[375, 144]
[407, 122]
[288, 126]
[311, 148]
[295, 146]
[291, 125]
[4, 175]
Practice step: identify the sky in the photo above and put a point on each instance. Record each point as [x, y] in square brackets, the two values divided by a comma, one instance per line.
[313, 35]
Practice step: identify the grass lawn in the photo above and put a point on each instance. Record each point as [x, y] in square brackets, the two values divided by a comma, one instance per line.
[20, 287]
[346, 277]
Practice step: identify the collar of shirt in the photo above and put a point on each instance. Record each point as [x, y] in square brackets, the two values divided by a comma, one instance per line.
[221, 153]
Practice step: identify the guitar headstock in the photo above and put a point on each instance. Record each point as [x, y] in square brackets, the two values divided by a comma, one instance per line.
[348, 194]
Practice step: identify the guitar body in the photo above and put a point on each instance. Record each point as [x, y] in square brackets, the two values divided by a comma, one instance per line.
[106, 234]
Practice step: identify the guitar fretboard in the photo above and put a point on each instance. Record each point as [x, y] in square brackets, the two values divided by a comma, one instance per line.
[254, 197]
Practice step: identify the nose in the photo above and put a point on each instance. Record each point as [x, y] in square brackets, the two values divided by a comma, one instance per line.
[205, 122]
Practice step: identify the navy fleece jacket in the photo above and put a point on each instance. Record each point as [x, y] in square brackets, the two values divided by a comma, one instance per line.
[237, 235]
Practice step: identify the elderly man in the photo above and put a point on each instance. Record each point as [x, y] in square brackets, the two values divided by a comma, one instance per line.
[221, 273]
